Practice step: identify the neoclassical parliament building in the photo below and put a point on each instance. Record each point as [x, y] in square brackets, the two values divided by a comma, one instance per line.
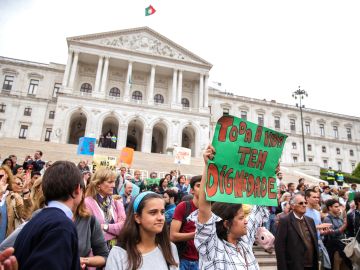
[153, 95]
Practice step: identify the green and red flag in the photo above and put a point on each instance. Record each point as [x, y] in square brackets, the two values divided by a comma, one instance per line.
[149, 10]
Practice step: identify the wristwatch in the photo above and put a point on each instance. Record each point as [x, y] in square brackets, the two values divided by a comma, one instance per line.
[106, 227]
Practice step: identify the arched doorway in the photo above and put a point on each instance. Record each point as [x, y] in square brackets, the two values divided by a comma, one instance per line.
[109, 132]
[188, 139]
[77, 127]
[159, 137]
[134, 135]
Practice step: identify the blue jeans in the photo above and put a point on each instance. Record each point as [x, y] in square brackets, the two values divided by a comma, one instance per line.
[188, 265]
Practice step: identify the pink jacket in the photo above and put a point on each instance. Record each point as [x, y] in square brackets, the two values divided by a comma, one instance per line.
[119, 216]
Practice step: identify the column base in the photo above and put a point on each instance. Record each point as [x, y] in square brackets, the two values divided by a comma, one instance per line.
[176, 106]
[100, 95]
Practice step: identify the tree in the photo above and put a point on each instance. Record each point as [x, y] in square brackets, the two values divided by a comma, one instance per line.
[356, 172]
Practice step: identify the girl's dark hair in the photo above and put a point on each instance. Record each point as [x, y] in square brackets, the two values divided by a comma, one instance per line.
[130, 236]
[226, 211]
[161, 182]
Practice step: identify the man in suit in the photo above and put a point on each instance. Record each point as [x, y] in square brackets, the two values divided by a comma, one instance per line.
[296, 240]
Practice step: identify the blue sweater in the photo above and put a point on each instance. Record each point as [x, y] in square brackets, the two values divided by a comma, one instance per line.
[48, 241]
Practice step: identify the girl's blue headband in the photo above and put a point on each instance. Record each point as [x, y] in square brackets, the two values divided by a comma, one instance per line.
[139, 198]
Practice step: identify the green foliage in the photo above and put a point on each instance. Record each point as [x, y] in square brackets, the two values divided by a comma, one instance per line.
[348, 178]
[356, 172]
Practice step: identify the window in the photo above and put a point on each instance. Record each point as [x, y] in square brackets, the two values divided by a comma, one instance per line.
[336, 132]
[185, 103]
[56, 89]
[338, 151]
[322, 130]
[323, 149]
[225, 111]
[243, 115]
[339, 166]
[260, 119]
[348, 132]
[159, 99]
[27, 111]
[292, 125]
[52, 115]
[295, 159]
[353, 166]
[307, 127]
[325, 163]
[23, 131]
[2, 108]
[351, 153]
[48, 134]
[86, 88]
[277, 122]
[136, 95]
[8, 82]
[114, 92]
[293, 145]
[310, 159]
[33, 86]
[0, 125]
[309, 147]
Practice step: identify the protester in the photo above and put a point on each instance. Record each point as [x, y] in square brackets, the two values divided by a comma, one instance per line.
[109, 212]
[138, 181]
[144, 242]
[127, 198]
[296, 243]
[182, 231]
[169, 198]
[8, 162]
[35, 163]
[353, 218]
[49, 240]
[120, 179]
[224, 236]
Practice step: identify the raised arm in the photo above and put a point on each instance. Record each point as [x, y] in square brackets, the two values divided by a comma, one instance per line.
[204, 205]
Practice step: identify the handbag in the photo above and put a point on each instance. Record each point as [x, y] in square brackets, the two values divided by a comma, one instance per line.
[265, 239]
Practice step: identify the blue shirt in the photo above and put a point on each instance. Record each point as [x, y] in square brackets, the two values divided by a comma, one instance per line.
[63, 207]
[315, 215]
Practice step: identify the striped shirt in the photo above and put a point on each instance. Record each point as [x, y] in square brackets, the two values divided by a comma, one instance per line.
[218, 254]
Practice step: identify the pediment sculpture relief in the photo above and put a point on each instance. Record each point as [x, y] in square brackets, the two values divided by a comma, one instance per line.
[143, 43]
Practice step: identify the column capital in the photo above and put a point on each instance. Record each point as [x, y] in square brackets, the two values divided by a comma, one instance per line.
[107, 57]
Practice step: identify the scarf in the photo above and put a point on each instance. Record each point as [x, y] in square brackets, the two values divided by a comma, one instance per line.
[105, 205]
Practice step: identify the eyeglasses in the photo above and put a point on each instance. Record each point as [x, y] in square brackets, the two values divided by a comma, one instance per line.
[2, 175]
[19, 183]
[302, 203]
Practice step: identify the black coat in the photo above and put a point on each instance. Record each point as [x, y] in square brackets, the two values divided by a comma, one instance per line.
[289, 245]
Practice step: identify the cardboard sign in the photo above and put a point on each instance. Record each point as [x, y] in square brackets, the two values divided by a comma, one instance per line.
[243, 169]
[103, 162]
[86, 146]
[182, 155]
[126, 157]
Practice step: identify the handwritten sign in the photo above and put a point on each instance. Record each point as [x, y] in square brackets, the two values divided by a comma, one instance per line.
[243, 169]
[182, 155]
[100, 161]
[86, 146]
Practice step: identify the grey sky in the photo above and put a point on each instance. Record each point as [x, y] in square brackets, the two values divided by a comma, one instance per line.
[261, 49]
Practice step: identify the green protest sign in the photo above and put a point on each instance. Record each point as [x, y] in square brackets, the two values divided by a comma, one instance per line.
[151, 181]
[243, 169]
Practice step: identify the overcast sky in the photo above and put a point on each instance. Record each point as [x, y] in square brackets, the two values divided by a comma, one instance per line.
[260, 48]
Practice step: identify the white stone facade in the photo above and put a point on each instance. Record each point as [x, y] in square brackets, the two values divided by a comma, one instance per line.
[153, 95]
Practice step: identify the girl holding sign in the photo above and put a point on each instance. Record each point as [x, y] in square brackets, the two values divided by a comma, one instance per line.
[225, 232]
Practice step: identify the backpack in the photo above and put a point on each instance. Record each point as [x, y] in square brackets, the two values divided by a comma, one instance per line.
[182, 245]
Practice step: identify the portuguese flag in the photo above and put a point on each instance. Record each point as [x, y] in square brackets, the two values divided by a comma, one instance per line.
[149, 10]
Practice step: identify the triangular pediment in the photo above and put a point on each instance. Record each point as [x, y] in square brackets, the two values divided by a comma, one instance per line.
[141, 40]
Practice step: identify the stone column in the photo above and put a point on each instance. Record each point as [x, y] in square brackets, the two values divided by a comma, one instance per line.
[127, 83]
[98, 74]
[104, 76]
[73, 69]
[146, 141]
[201, 91]
[151, 86]
[67, 69]
[122, 136]
[179, 90]
[173, 92]
[206, 91]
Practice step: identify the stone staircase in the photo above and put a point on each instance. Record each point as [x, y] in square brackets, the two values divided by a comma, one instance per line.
[266, 261]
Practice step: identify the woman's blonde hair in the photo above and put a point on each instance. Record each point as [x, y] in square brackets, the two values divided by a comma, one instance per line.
[10, 178]
[37, 196]
[100, 176]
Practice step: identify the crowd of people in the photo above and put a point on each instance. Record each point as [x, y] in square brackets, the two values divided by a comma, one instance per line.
[58, 215]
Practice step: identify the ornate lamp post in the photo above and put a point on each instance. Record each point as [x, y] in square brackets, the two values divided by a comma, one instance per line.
[301, 94]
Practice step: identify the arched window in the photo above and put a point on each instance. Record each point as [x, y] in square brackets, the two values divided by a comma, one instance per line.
[158, 98]
[185, 102]
[86, 88]
[137, 95]
[114, 92]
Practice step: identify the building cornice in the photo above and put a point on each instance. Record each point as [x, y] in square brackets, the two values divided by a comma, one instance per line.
[30, 64]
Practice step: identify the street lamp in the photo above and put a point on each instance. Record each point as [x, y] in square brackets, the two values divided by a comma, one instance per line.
[301, 94]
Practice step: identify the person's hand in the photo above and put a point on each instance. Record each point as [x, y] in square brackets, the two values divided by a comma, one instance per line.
[84, 262]
[7, 260]
[208, 153]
